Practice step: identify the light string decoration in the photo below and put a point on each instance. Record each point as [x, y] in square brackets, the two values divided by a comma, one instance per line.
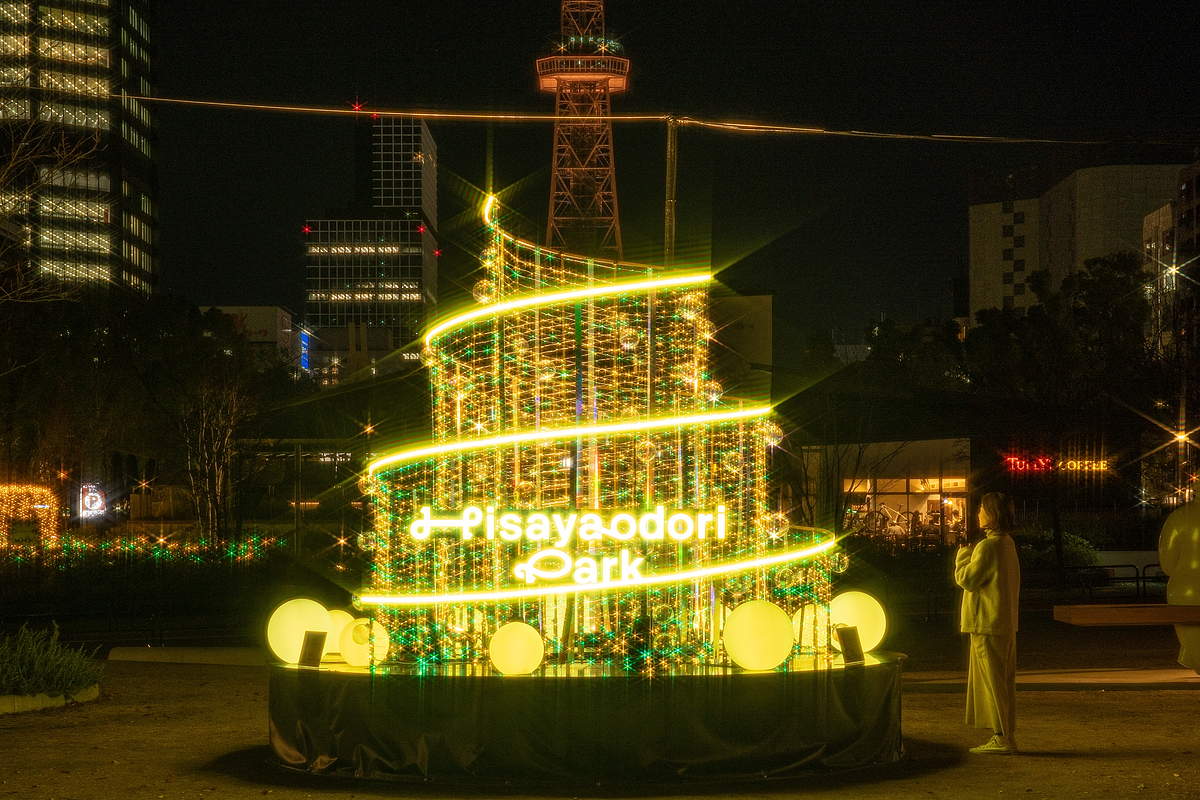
[585, 476]
[74, 548]
[30, 502]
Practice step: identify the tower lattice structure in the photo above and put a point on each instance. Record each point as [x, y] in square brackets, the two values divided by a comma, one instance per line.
[584, 72]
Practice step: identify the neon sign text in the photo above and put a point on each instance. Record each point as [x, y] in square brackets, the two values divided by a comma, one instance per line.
[1034, 464]
[524, 593]
[1017, 463]
[562, 527]
[583, 570]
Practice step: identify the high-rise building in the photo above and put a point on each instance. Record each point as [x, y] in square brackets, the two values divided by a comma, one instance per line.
[78, 196]
[1187, 213]
[1170, 252]
[1159, 259]
[1004, 251]
[372, 271]
[1092, 212]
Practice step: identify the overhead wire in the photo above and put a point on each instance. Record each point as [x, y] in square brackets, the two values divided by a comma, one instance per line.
[733, 126]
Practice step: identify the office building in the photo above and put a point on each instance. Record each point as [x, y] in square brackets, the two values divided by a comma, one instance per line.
[1170, 251]
[372, 271]
[1003, 252]
[271, 334]
[1159, 260]
[1092, 212]
[79, 202]
[1187, 213]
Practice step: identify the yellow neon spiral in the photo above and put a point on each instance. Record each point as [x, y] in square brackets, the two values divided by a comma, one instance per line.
[580, 385]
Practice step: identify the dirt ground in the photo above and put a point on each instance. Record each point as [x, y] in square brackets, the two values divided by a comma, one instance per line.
[189, 731]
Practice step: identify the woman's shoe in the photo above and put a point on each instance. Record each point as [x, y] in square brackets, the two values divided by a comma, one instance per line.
[998, 745]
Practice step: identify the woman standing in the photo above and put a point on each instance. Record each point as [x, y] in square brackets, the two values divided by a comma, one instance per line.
[990, 577]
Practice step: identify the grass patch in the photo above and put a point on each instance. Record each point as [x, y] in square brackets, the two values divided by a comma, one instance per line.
[36, 662]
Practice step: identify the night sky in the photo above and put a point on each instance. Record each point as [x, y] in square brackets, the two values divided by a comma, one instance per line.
[841, 230]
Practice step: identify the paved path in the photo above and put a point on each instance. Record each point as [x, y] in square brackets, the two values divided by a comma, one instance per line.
[1091, 679]
[200, 731]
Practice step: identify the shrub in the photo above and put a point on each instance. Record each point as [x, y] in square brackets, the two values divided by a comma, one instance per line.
[1037, 550]
[35, 662]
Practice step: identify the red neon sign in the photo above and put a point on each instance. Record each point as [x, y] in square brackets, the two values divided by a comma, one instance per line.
[1024, 464]
[1028, 464]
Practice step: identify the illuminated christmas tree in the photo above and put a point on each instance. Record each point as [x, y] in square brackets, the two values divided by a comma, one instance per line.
[585, 476]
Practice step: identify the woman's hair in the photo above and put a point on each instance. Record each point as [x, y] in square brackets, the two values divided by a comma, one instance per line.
[1000, 512]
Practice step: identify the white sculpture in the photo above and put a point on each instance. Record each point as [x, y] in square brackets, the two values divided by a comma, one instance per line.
[1179, 557]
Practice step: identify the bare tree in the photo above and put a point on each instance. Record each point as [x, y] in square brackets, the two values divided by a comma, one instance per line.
[208, 417]
[32, 156]
[818, 481]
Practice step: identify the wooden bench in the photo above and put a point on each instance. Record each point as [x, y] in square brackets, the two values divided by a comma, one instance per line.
[1128, 614]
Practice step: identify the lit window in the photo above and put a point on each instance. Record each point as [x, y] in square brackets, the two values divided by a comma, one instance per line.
[75, 240]
[73, 21]
[135, 138]
[135, 49]
[74, 84]
[14, 76]
[139, 257]
[137, 227]
[79, 116]
[139, 24]
[74, 270]
[17, 13]
[137, 110]
[74, 178]
[14, 108]
[73, 207]
[72, 51]
[11, 203]
[14, 45]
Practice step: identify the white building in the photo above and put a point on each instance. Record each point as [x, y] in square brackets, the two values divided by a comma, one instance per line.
[1091, 213]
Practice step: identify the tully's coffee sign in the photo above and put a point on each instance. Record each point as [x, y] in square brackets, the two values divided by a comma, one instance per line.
[1024, 464]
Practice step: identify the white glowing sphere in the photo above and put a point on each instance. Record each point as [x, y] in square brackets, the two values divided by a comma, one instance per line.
[338, 620]
[361, 640]
[810, 624]
[863, 612]
[758, 635]
[516, 649]
[288, 624]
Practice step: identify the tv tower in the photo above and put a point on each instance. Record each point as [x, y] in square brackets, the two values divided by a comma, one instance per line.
[585, 69]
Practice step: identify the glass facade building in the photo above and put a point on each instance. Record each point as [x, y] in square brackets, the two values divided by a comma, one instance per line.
[78, 200]
[372, 273]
